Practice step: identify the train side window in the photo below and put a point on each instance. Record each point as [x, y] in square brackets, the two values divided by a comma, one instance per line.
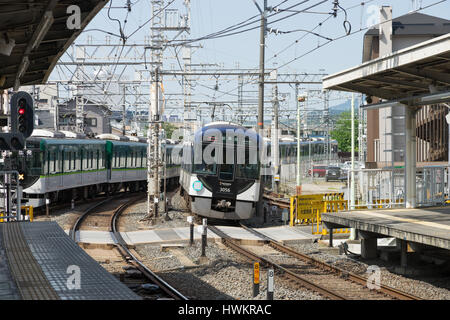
[67, 158]
[57, 162]
[122, 159]
[51, 162]
[47, 163]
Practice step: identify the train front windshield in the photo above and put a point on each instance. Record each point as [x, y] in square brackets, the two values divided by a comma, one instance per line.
[242, 162]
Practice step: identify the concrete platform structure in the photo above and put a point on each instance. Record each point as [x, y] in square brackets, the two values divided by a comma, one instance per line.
[417, 228]
[156, 236]
[40, 262]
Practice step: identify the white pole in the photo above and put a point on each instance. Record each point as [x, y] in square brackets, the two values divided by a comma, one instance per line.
[352, 181]
[298, 189]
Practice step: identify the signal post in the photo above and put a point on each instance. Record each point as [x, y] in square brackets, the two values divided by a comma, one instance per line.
[21, 120]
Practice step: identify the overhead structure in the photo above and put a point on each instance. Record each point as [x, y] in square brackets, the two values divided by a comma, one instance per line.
[413, 77]
[418, 75]
[34, 35]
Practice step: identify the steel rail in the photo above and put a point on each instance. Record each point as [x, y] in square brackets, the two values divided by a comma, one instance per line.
[79, 221]
[231, 243]
[325, 266]
[279, 202]
[131, 258]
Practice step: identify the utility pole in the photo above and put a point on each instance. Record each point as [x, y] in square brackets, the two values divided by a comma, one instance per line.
[262, 44]
[124, 112]
[54, 106]
[275, 138]
[153, 150]
[260, 122]
[327, 121]
[299, 99]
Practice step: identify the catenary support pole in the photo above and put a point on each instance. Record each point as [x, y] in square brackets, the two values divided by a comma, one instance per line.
[261, 95]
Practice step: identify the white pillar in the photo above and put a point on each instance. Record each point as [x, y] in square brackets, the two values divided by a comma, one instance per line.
[410, 163]
[352, 181]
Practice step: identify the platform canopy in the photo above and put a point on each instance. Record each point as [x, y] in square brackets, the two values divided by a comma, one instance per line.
[34, 34]
[417, 75]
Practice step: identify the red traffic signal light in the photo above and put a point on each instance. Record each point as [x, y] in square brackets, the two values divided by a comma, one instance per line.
[22, 115]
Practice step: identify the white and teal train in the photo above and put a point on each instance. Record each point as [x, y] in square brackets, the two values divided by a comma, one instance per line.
[64, 169]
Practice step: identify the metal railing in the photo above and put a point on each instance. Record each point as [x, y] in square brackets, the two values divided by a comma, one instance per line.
[385, 188]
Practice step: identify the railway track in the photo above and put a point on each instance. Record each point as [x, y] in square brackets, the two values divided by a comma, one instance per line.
[277, 201]
[327, 280]
[112, 216]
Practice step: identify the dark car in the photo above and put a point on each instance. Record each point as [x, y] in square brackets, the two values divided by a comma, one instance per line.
[333, 173]
[318, 171]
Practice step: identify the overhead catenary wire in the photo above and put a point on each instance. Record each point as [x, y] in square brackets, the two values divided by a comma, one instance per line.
[223, 33]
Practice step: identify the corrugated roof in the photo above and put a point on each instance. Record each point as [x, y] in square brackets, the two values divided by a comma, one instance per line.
[24, 23]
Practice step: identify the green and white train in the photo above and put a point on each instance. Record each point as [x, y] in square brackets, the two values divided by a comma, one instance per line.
[64, 169]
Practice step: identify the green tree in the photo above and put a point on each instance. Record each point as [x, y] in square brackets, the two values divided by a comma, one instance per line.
[168, 129]
[342, 132]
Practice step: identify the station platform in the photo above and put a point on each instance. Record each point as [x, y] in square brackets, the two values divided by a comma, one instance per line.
[423, 226]
[38, 261]
[182, 234]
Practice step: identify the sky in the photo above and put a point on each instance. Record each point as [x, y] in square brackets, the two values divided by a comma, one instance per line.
[295, 51]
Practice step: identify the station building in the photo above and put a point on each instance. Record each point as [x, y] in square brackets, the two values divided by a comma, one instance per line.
[386, 126]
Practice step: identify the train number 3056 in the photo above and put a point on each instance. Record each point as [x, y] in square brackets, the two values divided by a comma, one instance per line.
[225, 190]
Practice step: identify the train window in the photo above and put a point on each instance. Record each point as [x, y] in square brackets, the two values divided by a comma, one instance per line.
[51, 167]
[67, 159]
[122, 159]
[205, 168]
[247, 170]
[92, 159]
[83, 159]
[57, 162]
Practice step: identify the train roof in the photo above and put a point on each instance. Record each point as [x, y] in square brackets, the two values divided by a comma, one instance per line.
[303, 142]
[51, 141]
[224, 127]
[125, 143]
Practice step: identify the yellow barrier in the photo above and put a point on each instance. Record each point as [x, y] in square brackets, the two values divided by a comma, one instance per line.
[28, 212]
[308, 209]
[303, 208]
[321, 230]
